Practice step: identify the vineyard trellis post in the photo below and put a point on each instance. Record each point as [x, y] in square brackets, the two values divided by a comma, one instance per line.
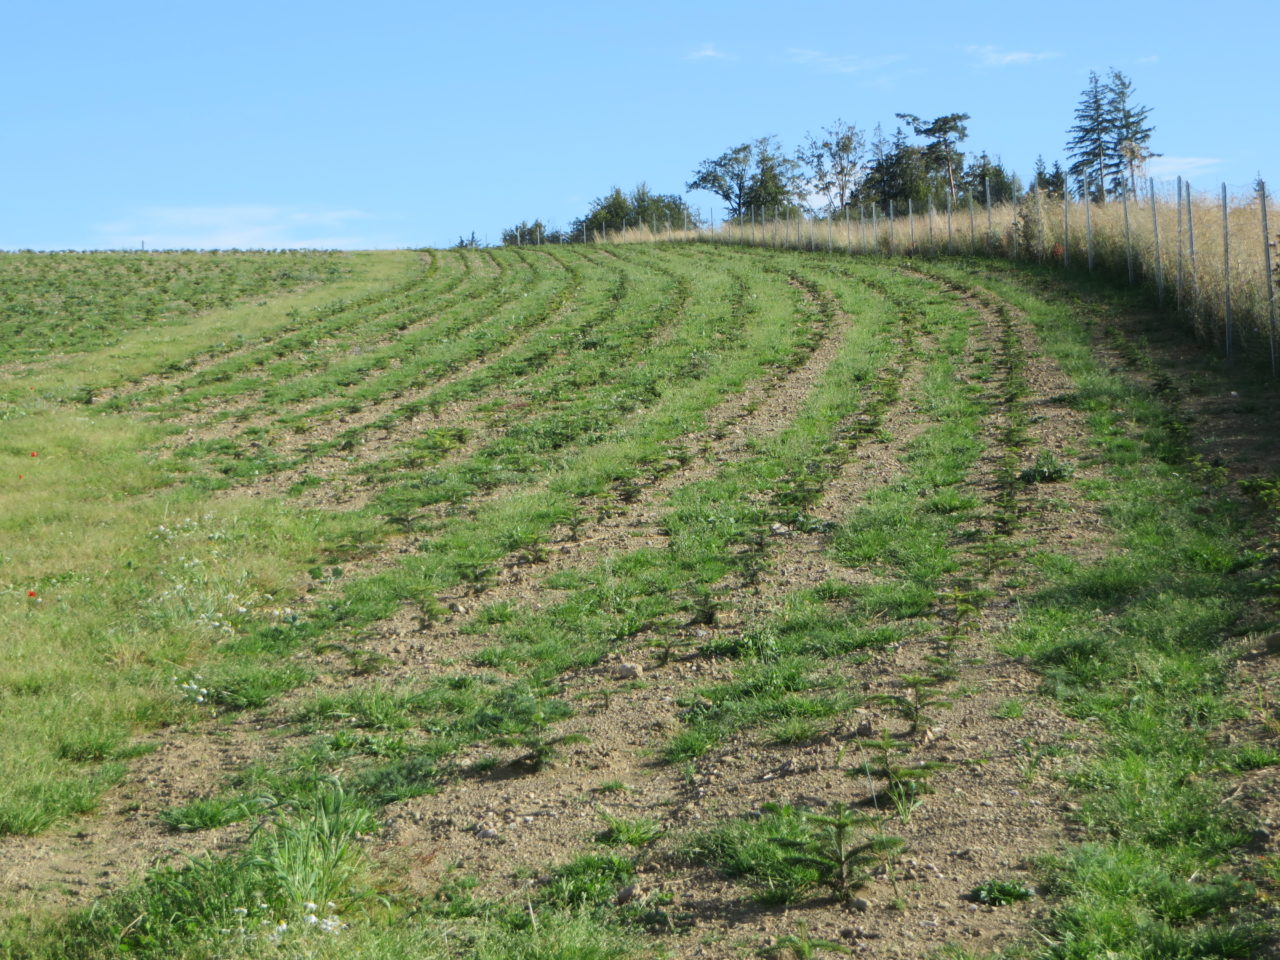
[891, 226]
[932, 249]
[1268, 277]
[911, 226]
[848, 229]
[1040, 224]
[1155, 234]
[1066, 228]
[949, 249]
[973, 227]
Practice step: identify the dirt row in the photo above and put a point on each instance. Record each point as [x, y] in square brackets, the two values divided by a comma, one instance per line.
[984, 818]
[994, 799]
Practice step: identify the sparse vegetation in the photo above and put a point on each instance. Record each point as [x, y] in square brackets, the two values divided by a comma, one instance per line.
[712, 569]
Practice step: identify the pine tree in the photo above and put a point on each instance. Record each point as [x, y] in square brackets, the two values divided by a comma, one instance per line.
[945, 134]
[1052, 182]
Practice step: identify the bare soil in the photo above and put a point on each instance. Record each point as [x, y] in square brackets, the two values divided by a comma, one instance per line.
[998, 799]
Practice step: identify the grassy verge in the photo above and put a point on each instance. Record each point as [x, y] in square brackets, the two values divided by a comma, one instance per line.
[1137, 644]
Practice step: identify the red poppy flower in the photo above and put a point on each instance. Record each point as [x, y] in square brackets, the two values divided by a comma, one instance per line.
[34, 453]
[31, 593]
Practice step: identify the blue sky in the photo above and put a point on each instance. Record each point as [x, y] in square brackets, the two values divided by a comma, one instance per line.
[394, 124]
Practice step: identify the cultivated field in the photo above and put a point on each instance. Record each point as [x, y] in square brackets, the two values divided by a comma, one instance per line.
[632, 600]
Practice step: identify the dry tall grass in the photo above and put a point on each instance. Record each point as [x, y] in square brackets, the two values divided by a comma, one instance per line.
[1227, 292]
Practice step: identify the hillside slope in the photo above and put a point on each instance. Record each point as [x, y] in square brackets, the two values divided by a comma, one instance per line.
[604, 601]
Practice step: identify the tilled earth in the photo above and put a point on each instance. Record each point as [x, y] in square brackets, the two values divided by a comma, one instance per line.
[997, 797]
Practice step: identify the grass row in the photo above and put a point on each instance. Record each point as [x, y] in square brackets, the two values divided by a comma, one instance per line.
[187, 575]
[1137, 643]
[60, 302]
[451, 712]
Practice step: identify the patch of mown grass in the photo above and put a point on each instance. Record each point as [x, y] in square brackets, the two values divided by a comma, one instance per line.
[304, 863]
[63, 302]
[113, 582]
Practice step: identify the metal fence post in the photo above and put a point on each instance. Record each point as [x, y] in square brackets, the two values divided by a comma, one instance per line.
[1088, 224]
[1128, 236]
[1226, 270]
[1191, 253]
[948, 223]
[986, 186]
[1269, 279]
[1066, 227]
[1181, 277]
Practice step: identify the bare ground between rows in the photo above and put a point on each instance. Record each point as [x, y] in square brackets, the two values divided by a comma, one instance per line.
[761, 410]
[76, 864]
[992, 806]
[537, 820]
[988, 813]
[340, 487]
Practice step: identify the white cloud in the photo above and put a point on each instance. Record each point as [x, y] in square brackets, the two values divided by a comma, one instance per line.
[990, 56]
[243, 226]
[1166, 168]
[1151, 59]
[708, 51]
[830, 63]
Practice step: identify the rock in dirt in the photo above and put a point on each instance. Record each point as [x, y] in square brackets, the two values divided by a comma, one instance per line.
[626, 671]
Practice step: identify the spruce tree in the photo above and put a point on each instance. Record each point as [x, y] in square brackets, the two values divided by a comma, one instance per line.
[1130, 132]
[1091, 139]
[1108, 143]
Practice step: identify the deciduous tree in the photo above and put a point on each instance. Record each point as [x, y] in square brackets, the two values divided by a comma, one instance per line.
[834, 164]
[755, 174]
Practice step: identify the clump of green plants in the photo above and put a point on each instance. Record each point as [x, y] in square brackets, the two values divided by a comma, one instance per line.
[915, 705]
[620, 831]
[845, 847]
[1001, 893]
[801, 946]
[787, 852]
[1046, 469]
